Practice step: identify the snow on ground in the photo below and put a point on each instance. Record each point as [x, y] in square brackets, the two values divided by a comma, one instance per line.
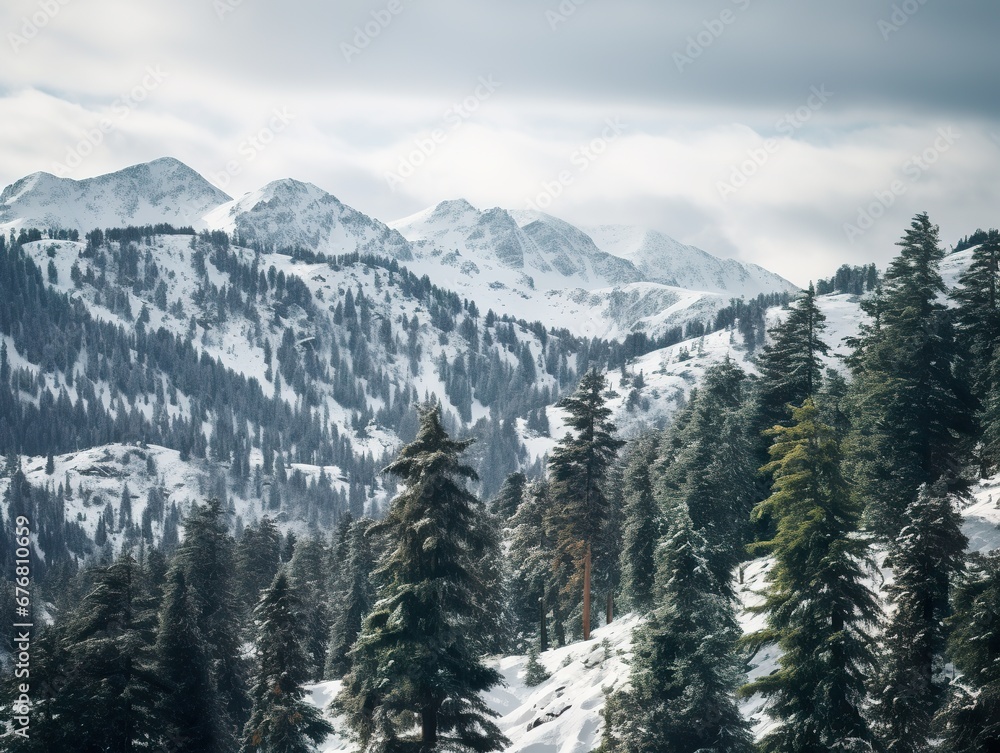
[563, 714]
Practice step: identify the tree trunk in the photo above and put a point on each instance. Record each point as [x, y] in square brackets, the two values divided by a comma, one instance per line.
[543, 630]
[586, 595]
[610, 615]
[428, 728]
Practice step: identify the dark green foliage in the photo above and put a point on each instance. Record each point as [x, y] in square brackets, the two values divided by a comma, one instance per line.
[530, 555]
[353, 599]
[581, 513]
[534, 673]
[206, 559]
[281, 720]
[685, 672]
[911, 411]
[978, 326]
[100, 658]
[791, 364]
[192, 711]
[911, 686]
[256, 560]
[707, 467]
[415, 655]
[508, 499]
[972, 717]
[641, 525]
[308, 572]
[819, 610]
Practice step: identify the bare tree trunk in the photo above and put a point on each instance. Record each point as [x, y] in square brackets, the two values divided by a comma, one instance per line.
[586, 595]
[611, 608]
[428, 728]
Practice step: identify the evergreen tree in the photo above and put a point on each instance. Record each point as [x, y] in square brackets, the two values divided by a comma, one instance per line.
[972, 717]
[912, 413]
[205, 557]
[191, 709]
[911, 686]
[978, 312]
[308, 571]
[682, 687]
[818, 608]
[414, 657]
[641, 526]
[581, 511]
[281, 720]
[707, 467]
[354, 601]
[530, 553]
[791, 364]
[102, 658]
[508, 499]
[257, 559]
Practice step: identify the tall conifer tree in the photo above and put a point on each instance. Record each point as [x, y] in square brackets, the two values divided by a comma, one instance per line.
[415, 657]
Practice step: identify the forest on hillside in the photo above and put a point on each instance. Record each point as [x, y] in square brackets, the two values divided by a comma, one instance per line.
[206, 639]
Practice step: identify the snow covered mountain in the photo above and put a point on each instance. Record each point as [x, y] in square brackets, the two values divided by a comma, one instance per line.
[608, 283]
[289, 213]
[662, 259]
[164, 190]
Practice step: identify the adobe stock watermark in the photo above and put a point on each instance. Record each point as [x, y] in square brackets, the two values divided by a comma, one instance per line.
[714, 28]
[253, 145]
[31, 26]
[787, 124]
[900, 16]
[224, 7]
[368, 32]
[914, 169]
[562, 13]
[454, 118]
[121, 108]
[581, 159]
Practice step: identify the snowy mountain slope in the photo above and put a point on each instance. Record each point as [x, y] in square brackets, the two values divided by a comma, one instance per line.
[563, 714]
[289, 214]
[164, 190]
[662, 259]
[538, 267]
[528, 264]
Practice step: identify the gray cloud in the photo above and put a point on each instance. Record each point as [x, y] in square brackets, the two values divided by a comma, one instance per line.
[748, 63]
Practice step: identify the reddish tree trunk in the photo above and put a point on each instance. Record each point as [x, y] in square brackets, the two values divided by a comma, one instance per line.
[586, 595]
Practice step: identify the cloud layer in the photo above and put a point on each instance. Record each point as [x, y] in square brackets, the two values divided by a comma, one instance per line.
[795, 135]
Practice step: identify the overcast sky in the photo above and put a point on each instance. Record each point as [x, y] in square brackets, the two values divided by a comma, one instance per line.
[773, 131]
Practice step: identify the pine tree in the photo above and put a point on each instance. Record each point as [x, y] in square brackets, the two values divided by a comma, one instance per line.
[101, 657]
[819, 610]
[912, 413]
[281, 720]
[508, 499]
[791, 364]
[206, 559]
[911, 686]
[682, 687]
[191, 709]
[978, 312]
[354, 601]
[707, 467]
[414, 656]
[641, 526]
[972, 717]
[308, 571]
[530, 553]
[581, 511]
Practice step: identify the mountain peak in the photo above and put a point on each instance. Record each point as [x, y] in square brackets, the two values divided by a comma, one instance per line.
[163, 190]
